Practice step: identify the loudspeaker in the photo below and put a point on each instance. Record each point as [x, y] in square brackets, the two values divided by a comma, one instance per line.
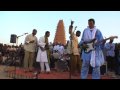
[13, 38]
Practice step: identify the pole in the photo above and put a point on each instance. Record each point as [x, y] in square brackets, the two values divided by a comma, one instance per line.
[14, 58]
[18, 37]
[70, 32]
[17, 41]
[71, 38]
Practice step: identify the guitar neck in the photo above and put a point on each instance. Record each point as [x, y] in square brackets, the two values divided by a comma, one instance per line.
[103, 40]
[91, 41]
[107, 39]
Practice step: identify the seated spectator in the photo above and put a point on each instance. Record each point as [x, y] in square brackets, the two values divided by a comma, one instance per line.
[1, 58]
[56, 57]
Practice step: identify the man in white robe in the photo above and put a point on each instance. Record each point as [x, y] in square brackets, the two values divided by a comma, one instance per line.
[58, 47]
[55, 48]
[42, 53]
[61, 49]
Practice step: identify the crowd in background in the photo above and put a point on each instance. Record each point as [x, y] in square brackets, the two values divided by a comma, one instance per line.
[10, 53]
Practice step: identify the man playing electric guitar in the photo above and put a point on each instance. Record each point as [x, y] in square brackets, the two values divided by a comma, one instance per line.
[91, 33]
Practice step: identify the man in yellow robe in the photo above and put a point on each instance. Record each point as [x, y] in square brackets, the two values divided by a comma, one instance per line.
[75, 63]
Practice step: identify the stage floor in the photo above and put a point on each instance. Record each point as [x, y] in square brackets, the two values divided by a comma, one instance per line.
[18, 73]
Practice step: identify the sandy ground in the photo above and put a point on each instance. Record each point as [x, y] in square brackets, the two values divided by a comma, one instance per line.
[3, 74]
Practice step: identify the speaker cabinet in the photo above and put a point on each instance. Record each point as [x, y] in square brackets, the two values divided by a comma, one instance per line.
[13, 38]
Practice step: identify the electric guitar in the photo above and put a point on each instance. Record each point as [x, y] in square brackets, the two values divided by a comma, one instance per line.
[91, 44]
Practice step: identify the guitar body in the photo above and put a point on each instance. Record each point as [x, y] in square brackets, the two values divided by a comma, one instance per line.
[90, 48]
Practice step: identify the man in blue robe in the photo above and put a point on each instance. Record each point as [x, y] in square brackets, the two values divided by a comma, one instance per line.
[91, 32]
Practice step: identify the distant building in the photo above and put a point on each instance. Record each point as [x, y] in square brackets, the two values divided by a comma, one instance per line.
[60, 33]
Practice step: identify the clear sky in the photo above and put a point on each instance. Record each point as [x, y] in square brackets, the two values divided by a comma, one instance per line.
[20, 22]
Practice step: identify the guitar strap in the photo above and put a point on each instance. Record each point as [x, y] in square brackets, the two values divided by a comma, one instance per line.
[95, 37]
[93, 58]
[47, 49]
[96, 33]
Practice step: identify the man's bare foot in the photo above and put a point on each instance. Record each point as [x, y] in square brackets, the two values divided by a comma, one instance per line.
[30, 69]
[42, 72]
[48, 72]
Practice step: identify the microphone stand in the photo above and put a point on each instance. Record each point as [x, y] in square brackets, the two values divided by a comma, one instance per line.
[71, 37]
[15, 71]
[37, 71]
[14, 58]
